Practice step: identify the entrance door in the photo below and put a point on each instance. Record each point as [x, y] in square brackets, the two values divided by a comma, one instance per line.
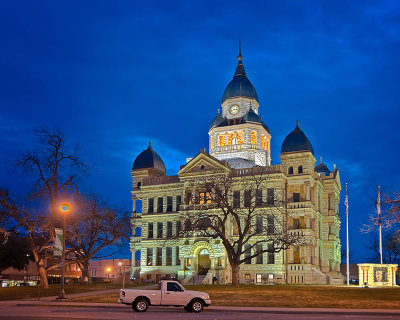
[204, 261]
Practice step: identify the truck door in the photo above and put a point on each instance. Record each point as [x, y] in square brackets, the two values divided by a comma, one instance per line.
[174, 295]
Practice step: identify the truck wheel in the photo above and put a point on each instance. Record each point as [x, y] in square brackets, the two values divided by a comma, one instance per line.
[140, 305]
[197, 306]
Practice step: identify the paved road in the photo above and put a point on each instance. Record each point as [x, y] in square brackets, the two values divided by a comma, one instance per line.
[57, 311]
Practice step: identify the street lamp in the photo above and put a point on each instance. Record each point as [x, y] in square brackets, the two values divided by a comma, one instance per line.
[64, 208]
[108, 270]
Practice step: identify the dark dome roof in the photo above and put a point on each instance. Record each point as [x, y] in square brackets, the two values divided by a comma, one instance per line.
[322, 168]
[251, 116]
[240, 85]
[149, 159]
[217, 121]
[296, 141]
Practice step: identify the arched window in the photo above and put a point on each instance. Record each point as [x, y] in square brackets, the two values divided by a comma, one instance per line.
[290, 170]
[300, 169]
[139, 184]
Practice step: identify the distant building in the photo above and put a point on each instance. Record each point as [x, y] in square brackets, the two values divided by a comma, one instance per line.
[108, 268]
[30, 275]
[239, 140]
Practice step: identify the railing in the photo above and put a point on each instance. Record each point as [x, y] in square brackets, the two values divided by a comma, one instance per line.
[299, 205]
[306, 233]
[256, 170]
[136, 239]
[203, 206]
[150, 181]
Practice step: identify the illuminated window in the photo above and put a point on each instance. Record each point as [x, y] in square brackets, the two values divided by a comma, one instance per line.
[264, 142]
[253, 137]
[222, 140]
[247, 276]
[212, 143]
[189, 262]
[219, 262]
[205, 197]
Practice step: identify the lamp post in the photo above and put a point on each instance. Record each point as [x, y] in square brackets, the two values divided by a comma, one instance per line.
[64, 208]
[108, 270]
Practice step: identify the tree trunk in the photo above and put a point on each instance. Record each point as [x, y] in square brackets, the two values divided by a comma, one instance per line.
[40, 265]
[43, 274]
[235, 274]
[85, 272]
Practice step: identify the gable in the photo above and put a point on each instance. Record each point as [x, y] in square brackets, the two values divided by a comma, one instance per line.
[203, 164]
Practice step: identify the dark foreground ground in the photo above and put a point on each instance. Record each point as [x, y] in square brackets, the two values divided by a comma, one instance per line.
[14, 311]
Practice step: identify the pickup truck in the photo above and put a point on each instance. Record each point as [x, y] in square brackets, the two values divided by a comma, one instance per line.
[168, 293]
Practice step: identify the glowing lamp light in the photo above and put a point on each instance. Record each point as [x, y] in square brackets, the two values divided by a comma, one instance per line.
[65, 207]
[108, 269]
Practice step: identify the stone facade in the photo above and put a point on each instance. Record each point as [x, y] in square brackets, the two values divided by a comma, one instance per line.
[239, 142]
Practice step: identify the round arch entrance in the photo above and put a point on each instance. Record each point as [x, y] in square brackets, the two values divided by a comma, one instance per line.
[204, 262]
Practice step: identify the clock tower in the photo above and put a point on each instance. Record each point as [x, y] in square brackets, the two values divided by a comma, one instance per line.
[238, 134]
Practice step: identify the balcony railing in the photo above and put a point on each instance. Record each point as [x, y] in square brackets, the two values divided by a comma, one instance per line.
[306, 233]
[257, 170]
[299, 205]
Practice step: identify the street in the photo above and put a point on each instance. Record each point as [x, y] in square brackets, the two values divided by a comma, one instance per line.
[57, 311]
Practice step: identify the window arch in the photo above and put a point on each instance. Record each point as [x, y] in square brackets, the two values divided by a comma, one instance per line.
[300, 169]
[139, 184]
[290, 171]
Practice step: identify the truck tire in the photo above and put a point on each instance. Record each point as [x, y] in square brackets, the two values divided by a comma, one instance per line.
[140, 305]
[196, 305]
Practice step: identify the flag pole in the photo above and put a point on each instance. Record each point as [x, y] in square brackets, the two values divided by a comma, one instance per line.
[347, 237]
[378, 205]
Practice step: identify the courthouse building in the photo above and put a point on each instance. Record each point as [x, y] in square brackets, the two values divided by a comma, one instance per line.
[239, 142]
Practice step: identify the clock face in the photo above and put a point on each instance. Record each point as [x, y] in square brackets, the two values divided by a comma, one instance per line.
[234, 109]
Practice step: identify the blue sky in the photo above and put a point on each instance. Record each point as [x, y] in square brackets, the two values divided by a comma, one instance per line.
[114, 75]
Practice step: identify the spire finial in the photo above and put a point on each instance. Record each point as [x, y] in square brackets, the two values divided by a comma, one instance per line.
[149, 143]
[218, 112]
[297, 123]
[321, 159]
[240, 57]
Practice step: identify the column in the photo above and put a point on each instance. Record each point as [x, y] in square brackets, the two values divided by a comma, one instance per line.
[134, 205]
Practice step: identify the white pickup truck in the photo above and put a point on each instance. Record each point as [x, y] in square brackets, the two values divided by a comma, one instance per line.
[168, 293]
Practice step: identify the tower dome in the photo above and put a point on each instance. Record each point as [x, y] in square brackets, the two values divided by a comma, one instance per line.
[296, 141]
[240, 85]
[321, 168]
[217, 120]
[149, 159]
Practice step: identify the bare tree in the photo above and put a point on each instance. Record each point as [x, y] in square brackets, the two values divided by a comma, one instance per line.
[390, 248]
[37, 229]
[55, 166]
[247, 227]
[93, 226]
[391, 215]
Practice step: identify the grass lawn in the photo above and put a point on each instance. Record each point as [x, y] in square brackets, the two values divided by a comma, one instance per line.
[299, 296]
[19, 293]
